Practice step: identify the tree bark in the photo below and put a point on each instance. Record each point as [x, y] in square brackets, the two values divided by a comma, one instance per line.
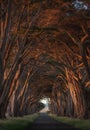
[77, 95]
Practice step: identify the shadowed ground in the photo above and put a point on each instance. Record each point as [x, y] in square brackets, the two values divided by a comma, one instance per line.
[44, 122]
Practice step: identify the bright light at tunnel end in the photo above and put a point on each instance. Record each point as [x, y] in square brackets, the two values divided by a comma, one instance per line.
[45, 101]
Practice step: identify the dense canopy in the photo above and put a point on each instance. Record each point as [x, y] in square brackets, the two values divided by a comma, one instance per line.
[45, 52]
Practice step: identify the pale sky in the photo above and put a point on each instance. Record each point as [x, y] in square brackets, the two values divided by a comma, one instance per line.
[44, 101]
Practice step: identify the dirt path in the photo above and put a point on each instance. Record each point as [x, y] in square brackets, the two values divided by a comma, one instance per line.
[44, 122]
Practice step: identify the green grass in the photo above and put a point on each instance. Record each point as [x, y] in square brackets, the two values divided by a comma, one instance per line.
[19, 123]
[78, 123]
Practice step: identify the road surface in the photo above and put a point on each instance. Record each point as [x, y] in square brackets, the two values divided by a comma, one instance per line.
[44, 122]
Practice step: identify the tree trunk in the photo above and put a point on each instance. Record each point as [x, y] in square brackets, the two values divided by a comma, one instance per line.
[77, 95]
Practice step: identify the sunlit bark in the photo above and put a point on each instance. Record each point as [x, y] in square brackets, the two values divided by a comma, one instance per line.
[77, 95]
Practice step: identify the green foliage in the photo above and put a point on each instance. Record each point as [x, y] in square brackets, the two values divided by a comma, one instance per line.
[19, 123]
[49, 28]
[53, 62]
[36, 29]
[53, 76]
[57, 65]
[68, 0]
[36, 1]
[52, 40]
[78, 123]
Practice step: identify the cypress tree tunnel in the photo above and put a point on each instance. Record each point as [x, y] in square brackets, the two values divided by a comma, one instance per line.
[45, 53]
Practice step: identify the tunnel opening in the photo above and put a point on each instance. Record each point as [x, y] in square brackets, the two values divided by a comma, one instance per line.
[46, 102]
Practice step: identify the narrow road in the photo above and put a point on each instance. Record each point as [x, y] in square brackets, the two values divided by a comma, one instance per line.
[44, 122]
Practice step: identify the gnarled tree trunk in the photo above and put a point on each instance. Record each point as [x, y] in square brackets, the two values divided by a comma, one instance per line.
[77, 94]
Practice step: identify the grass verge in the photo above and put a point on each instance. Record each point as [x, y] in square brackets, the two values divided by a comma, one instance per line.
[19, 123]
[77, 123]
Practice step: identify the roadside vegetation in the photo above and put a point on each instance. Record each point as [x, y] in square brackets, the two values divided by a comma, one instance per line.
[19, 123]
[82, 124]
